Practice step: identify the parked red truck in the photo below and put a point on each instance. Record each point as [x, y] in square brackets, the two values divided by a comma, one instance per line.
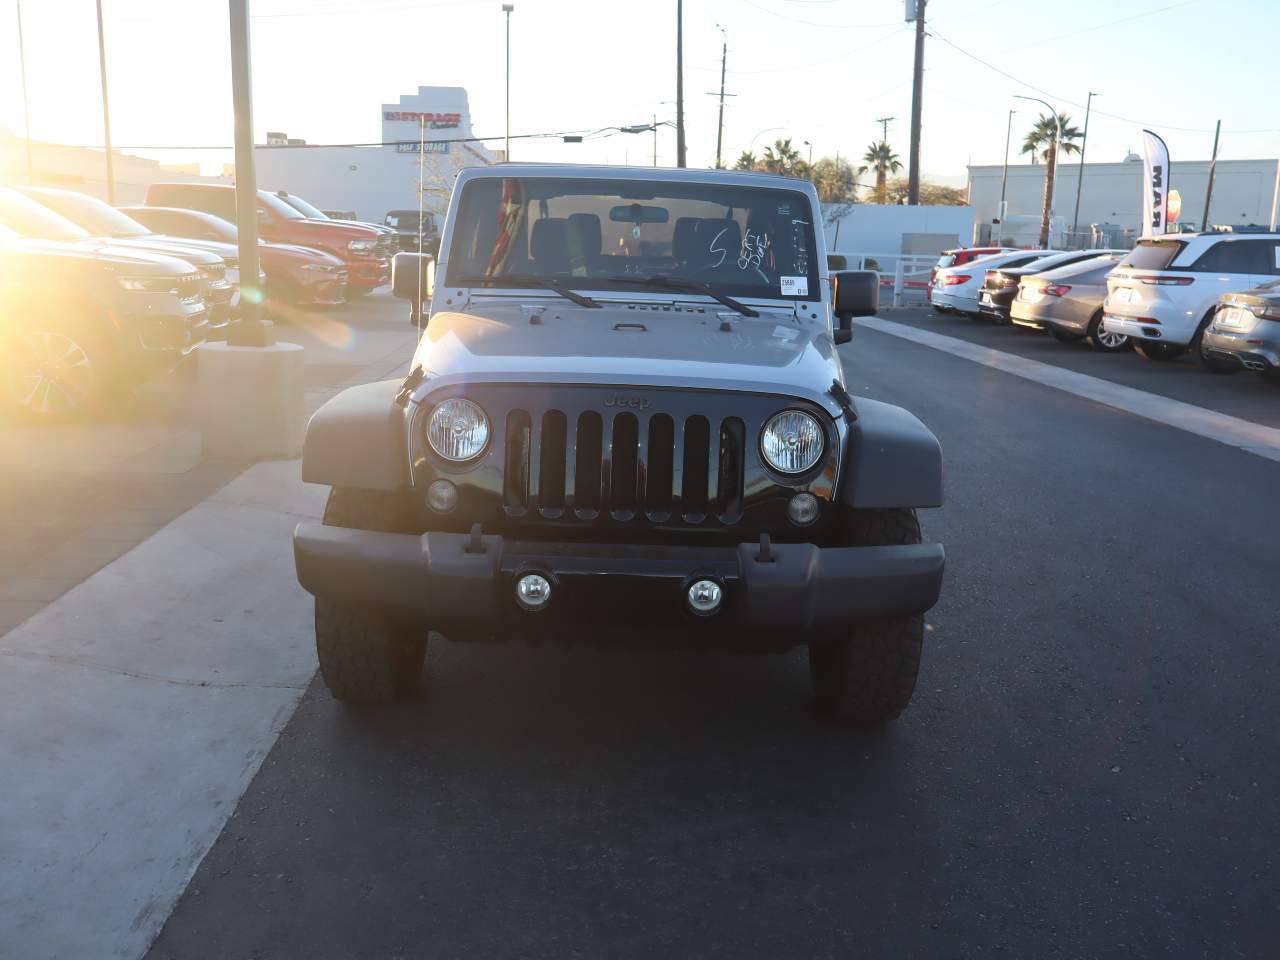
[354, 244]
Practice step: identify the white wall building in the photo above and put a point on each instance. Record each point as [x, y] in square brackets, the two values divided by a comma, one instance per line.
[886, 230]
[85, 170]
[1112, 192]
[373, 180]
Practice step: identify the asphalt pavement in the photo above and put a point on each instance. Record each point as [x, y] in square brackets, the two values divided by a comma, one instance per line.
[1089, 768]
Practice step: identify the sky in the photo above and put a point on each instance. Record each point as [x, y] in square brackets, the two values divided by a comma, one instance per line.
[821, 71]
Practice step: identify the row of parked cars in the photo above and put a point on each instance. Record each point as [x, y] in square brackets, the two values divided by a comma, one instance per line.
[96, 298]
[1214, 295]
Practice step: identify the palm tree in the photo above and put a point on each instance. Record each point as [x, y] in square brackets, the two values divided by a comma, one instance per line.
[747, 161]
[881, 158]
[1040, 141]
[784, 159]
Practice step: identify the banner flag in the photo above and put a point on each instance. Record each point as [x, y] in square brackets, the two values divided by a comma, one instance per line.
[1155, 197]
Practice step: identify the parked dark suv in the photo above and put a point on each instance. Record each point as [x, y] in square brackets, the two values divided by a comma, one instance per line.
[218, 263]
[81, 321]
[405, 223]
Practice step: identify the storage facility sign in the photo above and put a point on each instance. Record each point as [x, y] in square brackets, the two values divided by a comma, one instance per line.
[433, 121]
[429, 146]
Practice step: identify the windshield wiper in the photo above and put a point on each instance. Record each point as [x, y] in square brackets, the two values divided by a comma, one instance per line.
[529, 280]
[663, 282]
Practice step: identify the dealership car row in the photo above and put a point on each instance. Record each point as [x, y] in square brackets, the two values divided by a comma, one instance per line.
[109, 296]
[1213, 295]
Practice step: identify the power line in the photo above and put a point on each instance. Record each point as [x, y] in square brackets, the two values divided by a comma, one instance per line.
[814, 23]
[839, 56]
[1074, 103]
[588, 134]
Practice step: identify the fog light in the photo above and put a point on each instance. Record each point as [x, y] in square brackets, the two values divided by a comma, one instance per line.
[705, 597]
[533, 591]
[442, 496]
[803, 509]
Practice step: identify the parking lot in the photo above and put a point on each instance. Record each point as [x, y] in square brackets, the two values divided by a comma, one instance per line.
[1085, 771]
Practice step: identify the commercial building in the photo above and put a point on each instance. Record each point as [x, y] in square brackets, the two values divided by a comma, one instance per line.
[85, 169]
[1111, 196]
[433, 125]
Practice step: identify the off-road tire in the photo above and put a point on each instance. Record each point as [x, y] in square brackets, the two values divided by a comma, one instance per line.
[864, 675]
[367, 657]
[1160, 352]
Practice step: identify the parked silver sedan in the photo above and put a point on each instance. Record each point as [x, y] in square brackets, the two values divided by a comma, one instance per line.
[1245, 333]
[1068, 303]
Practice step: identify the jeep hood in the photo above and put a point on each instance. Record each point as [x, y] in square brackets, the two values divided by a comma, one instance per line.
[633, 344]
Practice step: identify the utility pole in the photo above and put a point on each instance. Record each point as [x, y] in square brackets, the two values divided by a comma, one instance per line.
[917, 104]
[1084, 142]
[680, 145]
[251, 330]
[26, 117]
[884, 127]
[1004, 177]
[507, 8]
[1213, 166]
[724, 59]
[106, 113]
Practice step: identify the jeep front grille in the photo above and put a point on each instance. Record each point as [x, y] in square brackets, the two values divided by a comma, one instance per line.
[622, 465]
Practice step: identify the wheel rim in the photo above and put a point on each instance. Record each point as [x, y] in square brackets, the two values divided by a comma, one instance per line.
[1109, 340]
[54, 374]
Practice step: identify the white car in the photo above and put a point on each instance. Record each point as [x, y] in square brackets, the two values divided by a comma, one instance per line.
[1163, 294]
[957, 288]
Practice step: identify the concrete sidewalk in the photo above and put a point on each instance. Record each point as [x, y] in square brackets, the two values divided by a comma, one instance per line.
[135, 711]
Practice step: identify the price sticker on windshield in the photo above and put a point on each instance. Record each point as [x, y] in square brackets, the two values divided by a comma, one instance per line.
[794, 286]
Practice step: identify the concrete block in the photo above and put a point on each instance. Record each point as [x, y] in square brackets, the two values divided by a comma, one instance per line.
[251, 401]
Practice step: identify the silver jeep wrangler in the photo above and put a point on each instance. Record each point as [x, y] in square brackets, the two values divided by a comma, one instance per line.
[626, 422]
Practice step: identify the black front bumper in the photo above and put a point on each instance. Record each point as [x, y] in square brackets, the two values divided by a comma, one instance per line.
[459, 582]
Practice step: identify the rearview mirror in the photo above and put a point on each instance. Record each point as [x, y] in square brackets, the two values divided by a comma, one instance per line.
[638, 213]
[857, 294]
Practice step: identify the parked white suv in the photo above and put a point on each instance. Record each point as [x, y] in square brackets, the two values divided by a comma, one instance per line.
[957, 288]
[1162, 295]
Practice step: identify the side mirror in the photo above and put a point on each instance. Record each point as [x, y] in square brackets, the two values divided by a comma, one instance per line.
[413, 276]
[857, 294]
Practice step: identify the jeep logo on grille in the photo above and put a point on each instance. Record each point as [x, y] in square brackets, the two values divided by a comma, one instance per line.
[618, 400]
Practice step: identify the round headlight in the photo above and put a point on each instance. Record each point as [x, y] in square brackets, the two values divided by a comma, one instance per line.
[458, 430]
[791, 441]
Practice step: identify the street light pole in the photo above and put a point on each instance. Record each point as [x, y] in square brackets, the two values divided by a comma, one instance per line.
[680, 144]
[251, 330]
[507, 8]
[810, 146]
[26, 117]
[1050, 170]
[1084, 142]
[106, 113]
[1004, 177]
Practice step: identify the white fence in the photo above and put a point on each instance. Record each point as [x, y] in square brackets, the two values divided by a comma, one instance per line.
[904, 275]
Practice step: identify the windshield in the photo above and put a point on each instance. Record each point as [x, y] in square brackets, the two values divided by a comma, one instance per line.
[304, 208]
[744, 241]
[278, 207]
[30, 219]
[99, 218]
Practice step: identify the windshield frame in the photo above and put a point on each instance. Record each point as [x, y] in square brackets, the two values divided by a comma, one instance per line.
[277, 207]
[807, 240]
